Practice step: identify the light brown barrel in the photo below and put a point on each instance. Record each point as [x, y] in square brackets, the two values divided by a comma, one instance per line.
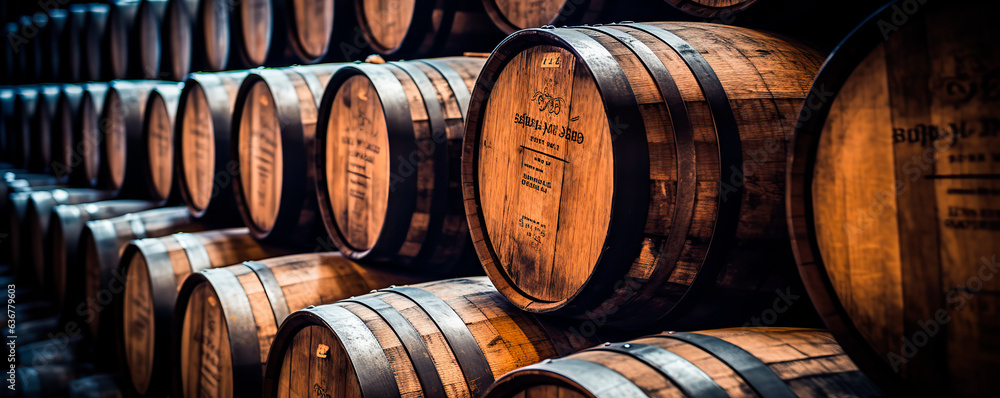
[177, 40]
[635, 167]
[154, 270]
[40, 158]
[123, 149]
[388, 164]
[227, 317]
[892, 197]
[39, 213]
[101, 244]
[205, 170]
[122, 37]
[274, 127]
[89, 134]
[743, 362]
[65, 158]
[158, 137]
[279, 32]
[445, 338]
[65, 227]
[413, 28]
[94, 47]
[149, 25]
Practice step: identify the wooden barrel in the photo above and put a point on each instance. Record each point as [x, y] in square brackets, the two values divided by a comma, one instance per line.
[149, 25]
[89, 133]
[177, 40]
[214, 48]
[123, 149]
[154, 270]
[39, 213]
[158, 136]
[65, 227]
[102, 242]
[444, 338]
[892, 197]
[261, 34]
[51, 351]
[94, 50]
[64, 157]
[413, 28]
[389, 138]
[74, 35]
[274, 123]
[11, 182]
[25, 106]
[743, 362]
[106, 385]
[41, 127]
[53, 47]
[123, 43]
[205, 168]
[17, 209]
[661, 176]
[227, 317]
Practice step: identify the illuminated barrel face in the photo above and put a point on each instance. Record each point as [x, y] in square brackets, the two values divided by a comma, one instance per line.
[198, 150]
[260, 157]
[160, 144]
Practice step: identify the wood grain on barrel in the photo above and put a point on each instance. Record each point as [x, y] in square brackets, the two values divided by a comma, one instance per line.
[177, 48]
[160, 267]
[256, 30]
[893, 199]
[711, 8]
[312, 23]
[390, 135]
[158, 134]
[65, 146]
[688, 121]
[262, 161]
[529, 13]
[239, 302]
[89, 140]
[358, 144]
[215, 41]
[786, 362]
[149, 32]
[403, 341]
[205, 169]
[387, 20]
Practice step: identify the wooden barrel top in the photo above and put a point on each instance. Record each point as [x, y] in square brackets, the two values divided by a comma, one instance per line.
[311, 22]
[712, 8]
[386, 22]
[262, 158]
[197, 149]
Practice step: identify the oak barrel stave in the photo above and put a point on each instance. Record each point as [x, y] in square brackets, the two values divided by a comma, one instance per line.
[444, 338]
[65, 227]
[250, 300]
[274, 123]
[177, 41]
[65, 122]
[885, 181]
[513, 15]
[205, 167]
[400, 204]
[41, 125]
[149, 33]
[154, 270]
[770, 362]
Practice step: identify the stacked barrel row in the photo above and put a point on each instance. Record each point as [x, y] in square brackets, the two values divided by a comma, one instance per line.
[166, 39]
